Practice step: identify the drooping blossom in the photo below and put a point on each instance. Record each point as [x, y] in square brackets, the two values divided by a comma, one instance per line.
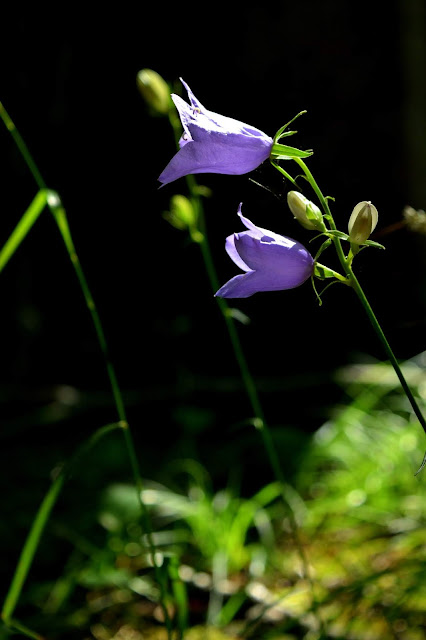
[271, 262]
[212, 143]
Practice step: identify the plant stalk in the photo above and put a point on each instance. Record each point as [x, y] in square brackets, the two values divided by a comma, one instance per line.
[346, 265]
[57, 210]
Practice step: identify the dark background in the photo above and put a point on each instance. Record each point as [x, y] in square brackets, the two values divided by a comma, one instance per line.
[69, 83]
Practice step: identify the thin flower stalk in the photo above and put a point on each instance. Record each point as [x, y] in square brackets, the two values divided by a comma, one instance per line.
[259, 420]
[347, 266]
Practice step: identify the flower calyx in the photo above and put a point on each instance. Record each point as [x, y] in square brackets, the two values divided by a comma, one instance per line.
[283, 152]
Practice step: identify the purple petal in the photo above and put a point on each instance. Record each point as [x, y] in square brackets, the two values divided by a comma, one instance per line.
[283, 265]
[228, 125]
[233, 253]
[186, 114]
[255, 232]
[193, 100]
[211, 157]
[242, 286]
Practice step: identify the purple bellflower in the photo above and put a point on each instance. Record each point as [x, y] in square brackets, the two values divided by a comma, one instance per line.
[212, 143]
[271, 262]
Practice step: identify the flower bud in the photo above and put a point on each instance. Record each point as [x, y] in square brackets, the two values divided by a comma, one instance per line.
[362, 222]
[305, 211]
[155, 91]
[182, 215]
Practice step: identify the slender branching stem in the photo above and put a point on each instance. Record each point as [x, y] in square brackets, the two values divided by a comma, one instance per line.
[346, 262]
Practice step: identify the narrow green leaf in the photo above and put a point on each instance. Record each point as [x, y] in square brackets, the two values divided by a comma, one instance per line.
[23, 227]
[30, 548]
[284, 173]
[337, 234]
[372, 243]
[39, 523]
[17, 627]
[323, 272]
[322, 248]
[282, 151]
[280, 133]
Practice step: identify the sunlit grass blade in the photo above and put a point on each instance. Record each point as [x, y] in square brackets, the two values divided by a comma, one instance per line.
[53, 201]
[16, 626]
[30, 547]
[23, 227]
[31, 544]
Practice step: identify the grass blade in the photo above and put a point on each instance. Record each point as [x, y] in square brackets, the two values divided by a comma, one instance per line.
[23, 227]
[31, 544]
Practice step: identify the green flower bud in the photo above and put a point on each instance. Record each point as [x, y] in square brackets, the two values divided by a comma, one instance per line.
[305, 211]
[362, 222]
[183, 216]
[154, 90]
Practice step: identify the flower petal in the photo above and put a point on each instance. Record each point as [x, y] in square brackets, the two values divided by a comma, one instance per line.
[283, 265]
[233, 253]
[211, 157]
[186, 113]
[242, 286]
[193, 100]
[228, 125]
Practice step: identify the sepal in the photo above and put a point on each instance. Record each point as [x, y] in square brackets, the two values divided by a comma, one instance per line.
[283, 152]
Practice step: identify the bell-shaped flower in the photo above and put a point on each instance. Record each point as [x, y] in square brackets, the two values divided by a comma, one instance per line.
[212, 143]
[271, 262]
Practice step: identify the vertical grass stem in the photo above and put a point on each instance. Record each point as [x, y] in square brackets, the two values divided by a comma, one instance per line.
[58, 212]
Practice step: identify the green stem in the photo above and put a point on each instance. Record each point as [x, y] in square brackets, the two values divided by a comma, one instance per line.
[59, 214]
[346, 264]
[259, 419]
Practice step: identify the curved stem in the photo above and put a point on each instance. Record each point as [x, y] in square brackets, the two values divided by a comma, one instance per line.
[58, 212]
[37, 527]
[248, 381]
[347, 266]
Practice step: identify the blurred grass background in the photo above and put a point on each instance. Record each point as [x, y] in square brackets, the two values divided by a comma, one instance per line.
[70, 85]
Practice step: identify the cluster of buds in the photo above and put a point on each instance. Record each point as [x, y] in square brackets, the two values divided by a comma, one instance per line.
[362, 221]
